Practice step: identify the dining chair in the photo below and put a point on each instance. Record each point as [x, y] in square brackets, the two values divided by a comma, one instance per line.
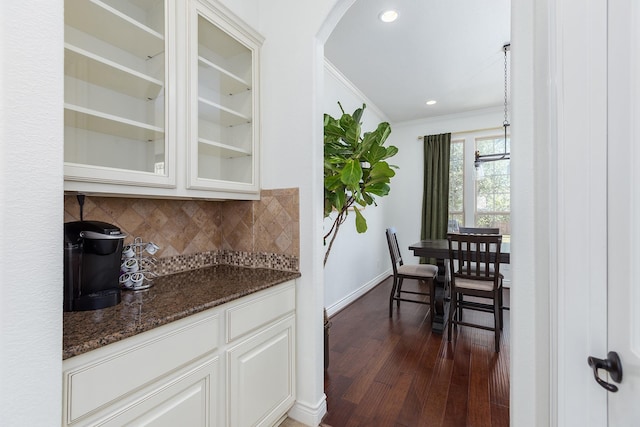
[401, 271]
[475, 230]
[478, 275]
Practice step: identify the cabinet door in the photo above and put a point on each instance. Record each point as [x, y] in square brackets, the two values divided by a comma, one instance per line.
[260, 376]
[224, 118]
[116, 104]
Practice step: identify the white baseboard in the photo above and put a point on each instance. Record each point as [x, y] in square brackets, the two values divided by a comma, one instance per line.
[333, 309]
[309, 415]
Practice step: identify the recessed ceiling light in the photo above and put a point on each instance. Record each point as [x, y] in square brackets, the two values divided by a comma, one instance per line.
[431, 102]
[388, 15]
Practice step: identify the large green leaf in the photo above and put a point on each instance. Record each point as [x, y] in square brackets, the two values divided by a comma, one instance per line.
[380, 189]
[368, 140]
[367, 199]
[333, 182]
[361, 223]
[391, 151]
[351, 173]
[381, 170]
[357, 114]
[339, 200]
[384, 130]
[375, 154]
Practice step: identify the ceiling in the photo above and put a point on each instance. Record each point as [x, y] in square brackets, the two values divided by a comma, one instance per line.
[450, 51]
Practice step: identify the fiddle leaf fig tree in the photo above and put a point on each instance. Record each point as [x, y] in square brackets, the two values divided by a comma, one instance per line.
[355, 169]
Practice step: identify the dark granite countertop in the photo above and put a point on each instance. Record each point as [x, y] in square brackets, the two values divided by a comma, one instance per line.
[172, 297]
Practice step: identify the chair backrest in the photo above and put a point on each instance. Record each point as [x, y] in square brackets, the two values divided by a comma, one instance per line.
[478, 230]
[478, 256]
[394, 249]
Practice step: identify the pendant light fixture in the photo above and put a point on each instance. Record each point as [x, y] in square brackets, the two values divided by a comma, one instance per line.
[483, 158]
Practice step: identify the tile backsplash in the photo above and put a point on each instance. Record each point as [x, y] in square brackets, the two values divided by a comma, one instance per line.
[262, 233]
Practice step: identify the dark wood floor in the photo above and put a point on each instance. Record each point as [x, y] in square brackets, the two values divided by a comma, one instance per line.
[395, 372]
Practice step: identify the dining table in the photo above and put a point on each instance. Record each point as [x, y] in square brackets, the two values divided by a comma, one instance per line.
[438, 249]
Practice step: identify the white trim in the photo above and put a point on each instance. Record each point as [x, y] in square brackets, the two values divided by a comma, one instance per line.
[344, 302]
[309, 415]
[331, 69]
[498, 111]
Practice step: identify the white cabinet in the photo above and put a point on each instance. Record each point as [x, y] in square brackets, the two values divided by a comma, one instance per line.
[261, 359]
[224, 93]
[149, 379]
[233, 365]
[161, 99]
[116, 108]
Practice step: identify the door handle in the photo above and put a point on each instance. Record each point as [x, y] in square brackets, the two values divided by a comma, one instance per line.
[612, 365]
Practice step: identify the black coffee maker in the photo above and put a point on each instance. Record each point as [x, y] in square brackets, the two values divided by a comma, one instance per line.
[92, 252]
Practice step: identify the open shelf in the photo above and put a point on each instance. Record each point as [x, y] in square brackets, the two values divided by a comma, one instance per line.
[96, 121]
[229, 83]
[216, 113]
[114, 27]
[97, 70]
[218, 149]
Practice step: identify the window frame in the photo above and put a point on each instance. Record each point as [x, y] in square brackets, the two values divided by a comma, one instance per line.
[468, 139]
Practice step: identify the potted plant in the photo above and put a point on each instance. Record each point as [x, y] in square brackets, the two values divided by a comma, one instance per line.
[355, 173]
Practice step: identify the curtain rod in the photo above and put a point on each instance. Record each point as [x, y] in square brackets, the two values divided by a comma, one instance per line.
[467, 131]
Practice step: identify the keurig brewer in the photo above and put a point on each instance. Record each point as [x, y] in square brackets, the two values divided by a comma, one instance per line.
[92, 252]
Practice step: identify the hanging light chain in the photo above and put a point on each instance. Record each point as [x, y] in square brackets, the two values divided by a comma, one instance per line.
[505, 48]
[481, 158]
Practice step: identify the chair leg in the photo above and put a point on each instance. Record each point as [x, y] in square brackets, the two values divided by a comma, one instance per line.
[393, 291]
[497, 320]
[452, 309]
[432, 298]
[501, 296]
[399, 290]
[460, 301]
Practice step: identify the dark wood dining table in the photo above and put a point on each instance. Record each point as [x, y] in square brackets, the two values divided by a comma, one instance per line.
[439, 249]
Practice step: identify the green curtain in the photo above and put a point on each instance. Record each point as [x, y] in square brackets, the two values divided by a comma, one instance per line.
[435, 199]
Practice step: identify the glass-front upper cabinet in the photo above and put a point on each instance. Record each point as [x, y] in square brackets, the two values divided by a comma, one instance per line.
[224, 121]
[116, 105]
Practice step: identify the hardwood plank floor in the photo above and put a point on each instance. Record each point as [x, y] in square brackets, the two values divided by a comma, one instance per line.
[395, 372]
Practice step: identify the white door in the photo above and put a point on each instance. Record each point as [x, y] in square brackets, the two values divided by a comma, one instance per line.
[624, 208]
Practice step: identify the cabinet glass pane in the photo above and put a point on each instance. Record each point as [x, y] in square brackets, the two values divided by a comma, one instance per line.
[114, 84]
[225, 133]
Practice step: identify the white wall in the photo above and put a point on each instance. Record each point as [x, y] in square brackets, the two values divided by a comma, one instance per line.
[31, 212]
[292, 61]
[357, 262]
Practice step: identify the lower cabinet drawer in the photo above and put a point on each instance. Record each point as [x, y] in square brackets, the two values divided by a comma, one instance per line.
[108, 375]
[250, 316]
[189, 399]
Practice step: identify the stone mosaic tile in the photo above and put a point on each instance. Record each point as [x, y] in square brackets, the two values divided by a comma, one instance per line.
[277, 223]
[177, 226]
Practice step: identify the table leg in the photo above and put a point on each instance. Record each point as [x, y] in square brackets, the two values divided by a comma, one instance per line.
[440, 314]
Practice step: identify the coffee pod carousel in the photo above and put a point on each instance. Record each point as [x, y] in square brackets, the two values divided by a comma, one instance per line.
[138, 265]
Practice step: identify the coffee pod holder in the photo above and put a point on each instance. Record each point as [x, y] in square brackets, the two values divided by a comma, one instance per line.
[138, 265]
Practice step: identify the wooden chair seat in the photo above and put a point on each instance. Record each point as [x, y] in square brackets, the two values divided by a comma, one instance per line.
[418, 271]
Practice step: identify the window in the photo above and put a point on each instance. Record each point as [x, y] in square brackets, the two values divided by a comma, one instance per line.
[480, 198]
[456, 181]
[492, 201]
